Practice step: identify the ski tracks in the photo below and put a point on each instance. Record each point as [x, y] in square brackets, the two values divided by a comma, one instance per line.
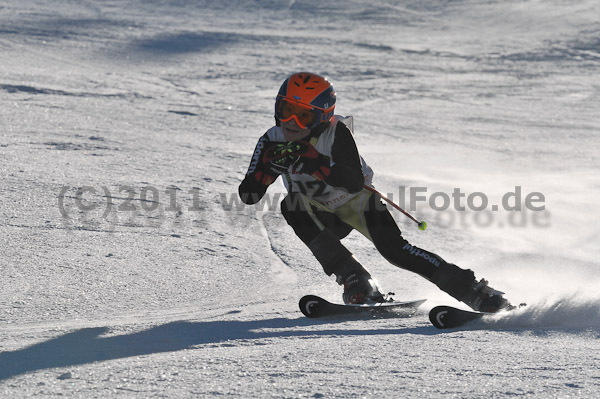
[281, 269]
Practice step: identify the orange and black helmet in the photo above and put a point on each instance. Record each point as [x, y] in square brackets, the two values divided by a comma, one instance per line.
[307, 98]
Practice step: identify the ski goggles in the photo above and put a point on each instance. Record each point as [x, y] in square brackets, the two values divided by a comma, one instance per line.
[306, 117]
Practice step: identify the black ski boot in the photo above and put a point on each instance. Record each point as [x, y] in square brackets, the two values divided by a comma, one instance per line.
[359, 288]
[483, 298]
[462, 285]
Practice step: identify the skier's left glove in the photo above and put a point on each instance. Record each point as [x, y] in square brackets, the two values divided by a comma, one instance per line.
[312, 162]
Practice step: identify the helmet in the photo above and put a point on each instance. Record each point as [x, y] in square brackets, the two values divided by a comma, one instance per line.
[307, 98]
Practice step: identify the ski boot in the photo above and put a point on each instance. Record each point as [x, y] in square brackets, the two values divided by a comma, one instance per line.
[483, 298]
[360, 288]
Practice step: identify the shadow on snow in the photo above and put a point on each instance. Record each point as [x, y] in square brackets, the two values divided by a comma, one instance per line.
[87, 346]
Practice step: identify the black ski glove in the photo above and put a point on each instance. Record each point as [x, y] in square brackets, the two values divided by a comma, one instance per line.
[279, 157]
[301, 155]
[312, 162]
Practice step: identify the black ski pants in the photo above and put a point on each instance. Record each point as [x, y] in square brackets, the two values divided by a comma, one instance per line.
[368, 214]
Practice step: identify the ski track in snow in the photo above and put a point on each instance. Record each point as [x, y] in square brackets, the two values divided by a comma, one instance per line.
[127, 126]
[279, 267]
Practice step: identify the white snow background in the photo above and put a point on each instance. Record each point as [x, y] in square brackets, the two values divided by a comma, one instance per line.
[126, 127]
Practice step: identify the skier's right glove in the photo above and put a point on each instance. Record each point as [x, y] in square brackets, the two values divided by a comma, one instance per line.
[278, 158]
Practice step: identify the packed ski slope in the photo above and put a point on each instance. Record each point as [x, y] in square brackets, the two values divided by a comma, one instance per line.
[129, 269]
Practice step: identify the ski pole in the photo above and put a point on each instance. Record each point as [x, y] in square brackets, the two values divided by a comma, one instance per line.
[422, 224]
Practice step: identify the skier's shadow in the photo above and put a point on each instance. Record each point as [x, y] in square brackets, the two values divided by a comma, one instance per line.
[87, 345]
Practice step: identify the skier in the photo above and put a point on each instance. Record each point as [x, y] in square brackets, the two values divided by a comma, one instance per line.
[315, 153]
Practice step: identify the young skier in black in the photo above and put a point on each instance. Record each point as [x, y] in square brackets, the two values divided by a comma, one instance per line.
[315, 153]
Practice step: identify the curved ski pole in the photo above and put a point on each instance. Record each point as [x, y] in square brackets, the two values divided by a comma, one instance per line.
[422, 224]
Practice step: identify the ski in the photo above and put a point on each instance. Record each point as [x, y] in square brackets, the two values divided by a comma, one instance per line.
[449, 317]
[313, 306]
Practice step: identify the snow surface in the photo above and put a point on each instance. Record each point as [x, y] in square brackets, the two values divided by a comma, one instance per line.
[173, 293]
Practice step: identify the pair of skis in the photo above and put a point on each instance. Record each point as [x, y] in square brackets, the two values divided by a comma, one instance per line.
[440, 316]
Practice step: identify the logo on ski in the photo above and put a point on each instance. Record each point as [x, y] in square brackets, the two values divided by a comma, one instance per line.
[439, 316]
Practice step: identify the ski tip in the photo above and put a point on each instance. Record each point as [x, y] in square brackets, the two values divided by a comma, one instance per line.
[419, 302]
[444, 317]
[308, 305]
[437, 316]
